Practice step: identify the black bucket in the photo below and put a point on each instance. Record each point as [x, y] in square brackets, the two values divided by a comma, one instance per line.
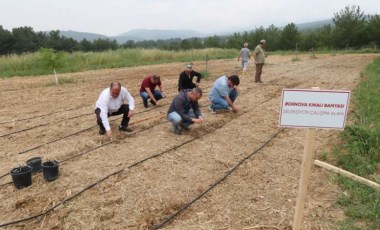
[50, 170]
[35, 163]
[22, 176]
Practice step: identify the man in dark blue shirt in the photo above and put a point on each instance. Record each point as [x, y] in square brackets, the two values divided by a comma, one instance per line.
[179, 113]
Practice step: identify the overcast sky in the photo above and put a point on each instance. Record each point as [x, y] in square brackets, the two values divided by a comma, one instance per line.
[113, 17]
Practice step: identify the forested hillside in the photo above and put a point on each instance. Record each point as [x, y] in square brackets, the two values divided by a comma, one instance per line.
[350, 28]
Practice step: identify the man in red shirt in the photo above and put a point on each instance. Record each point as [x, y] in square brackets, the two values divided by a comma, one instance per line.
[147, 90]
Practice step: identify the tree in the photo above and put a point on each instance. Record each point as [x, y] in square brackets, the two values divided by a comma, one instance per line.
[25, 40]
[85, 45]
[213, 42]
[290, 37]
[273, 36]
[6, 41]
[235, 41]
[129, 44]
[374, 30]
[349, 27]
[324, 39]
[52, 59]
[104, 44]
[308, 41]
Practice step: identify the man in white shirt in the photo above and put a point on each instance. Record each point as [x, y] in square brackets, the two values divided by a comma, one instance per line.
[111, 103]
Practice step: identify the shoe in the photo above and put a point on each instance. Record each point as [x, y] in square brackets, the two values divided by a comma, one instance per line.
[125, 129]
[211, 110]
[176, 130]
[152, 102]
[243, 74]
[146, 106]
[102, 131]
[184, 127]
[229, 109]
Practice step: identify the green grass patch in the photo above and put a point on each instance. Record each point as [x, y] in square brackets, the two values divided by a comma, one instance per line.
[62, 81]
[205, 74]
[360, 154]
[36, 63]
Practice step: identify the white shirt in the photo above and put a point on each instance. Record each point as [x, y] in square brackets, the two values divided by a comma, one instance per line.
[107, 104]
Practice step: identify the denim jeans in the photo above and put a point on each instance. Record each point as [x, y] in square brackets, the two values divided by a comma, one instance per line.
[176, 119]
[221, 103]
[145, 96]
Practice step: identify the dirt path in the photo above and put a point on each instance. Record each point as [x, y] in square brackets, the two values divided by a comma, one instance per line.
[261, 192]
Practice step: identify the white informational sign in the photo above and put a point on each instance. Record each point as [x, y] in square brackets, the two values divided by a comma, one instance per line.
[307, 108]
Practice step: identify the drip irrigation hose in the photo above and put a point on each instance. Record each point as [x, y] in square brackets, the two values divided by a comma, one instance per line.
[167, 219]
[89, 150]
[102, 179]
[210, 187]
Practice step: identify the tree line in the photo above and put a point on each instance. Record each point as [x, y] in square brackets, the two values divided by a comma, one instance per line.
[350, 28]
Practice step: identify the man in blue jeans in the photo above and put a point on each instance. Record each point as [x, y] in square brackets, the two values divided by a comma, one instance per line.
[179, 113]
[224, 93]
[147, 90]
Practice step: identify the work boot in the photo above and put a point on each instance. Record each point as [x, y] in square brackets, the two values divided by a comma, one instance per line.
[176, 130]
[152, 102]
[102, 131]
[212, 111]
[184, 127]
[125, 129]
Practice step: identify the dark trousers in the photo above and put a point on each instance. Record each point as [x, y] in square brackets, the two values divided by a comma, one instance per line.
[259, 68]
[124, 109]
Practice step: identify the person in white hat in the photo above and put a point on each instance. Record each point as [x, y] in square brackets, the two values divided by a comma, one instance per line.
[259, 56]
[245, 56]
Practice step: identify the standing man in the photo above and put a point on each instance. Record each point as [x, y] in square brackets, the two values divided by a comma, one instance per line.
[179, 113]
[245, 56]
[259, 56]
[111, 103]
[223, 93]
[186, 78]
[147, 90]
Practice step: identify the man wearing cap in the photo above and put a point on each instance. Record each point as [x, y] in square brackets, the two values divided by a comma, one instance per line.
[244, 55]
[224, 93]
[259, 56]
[147, 90]
[180, 114]
[186, 78]
[111, 103]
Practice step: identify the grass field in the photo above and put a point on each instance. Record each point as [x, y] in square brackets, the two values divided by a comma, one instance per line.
[360, 154]
[33, 64]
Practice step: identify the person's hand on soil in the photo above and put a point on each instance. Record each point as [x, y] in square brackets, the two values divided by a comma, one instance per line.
[234, 108]
[109, 134]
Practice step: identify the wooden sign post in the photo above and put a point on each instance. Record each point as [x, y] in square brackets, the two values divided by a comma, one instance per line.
[311, 109]
[307, 162]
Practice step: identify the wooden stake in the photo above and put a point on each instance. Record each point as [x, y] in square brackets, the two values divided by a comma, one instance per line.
[56, 78]
[307, 162]
[347, 174]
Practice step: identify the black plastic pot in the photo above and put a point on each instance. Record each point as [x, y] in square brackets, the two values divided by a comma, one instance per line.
[35, 163]
[50, 170]
[22, 176]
